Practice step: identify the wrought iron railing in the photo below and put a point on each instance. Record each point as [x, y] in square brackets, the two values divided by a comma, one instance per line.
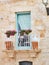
[24, 41]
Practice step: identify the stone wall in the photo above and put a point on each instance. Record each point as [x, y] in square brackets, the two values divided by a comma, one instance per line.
[8, 21]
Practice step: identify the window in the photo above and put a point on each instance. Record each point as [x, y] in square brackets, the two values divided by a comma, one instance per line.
[23, 27]
[25, 63]
[47, 9]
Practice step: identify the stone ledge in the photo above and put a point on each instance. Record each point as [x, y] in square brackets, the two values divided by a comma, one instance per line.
[28, 51]
[33, 50]
[23, 51]
[31, 53]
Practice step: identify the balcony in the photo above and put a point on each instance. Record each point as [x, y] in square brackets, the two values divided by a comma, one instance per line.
[11, 53]
[14, 54]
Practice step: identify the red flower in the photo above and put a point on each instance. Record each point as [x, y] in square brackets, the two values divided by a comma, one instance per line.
[10, 33]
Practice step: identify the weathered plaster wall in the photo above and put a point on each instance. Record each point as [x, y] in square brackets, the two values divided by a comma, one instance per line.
[8, 21]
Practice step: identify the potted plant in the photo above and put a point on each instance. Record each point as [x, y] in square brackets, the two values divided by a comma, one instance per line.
[35, 44]
[9, 45]
[35, 41]
[22, 32]
[26, 31]
[13, 32]
[8, 42]
[10, 33]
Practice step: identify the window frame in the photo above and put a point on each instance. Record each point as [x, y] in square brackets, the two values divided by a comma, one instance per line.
[27, 47]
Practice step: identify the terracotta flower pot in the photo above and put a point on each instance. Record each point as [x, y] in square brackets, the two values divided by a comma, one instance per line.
[9, 45]
[35, 45]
